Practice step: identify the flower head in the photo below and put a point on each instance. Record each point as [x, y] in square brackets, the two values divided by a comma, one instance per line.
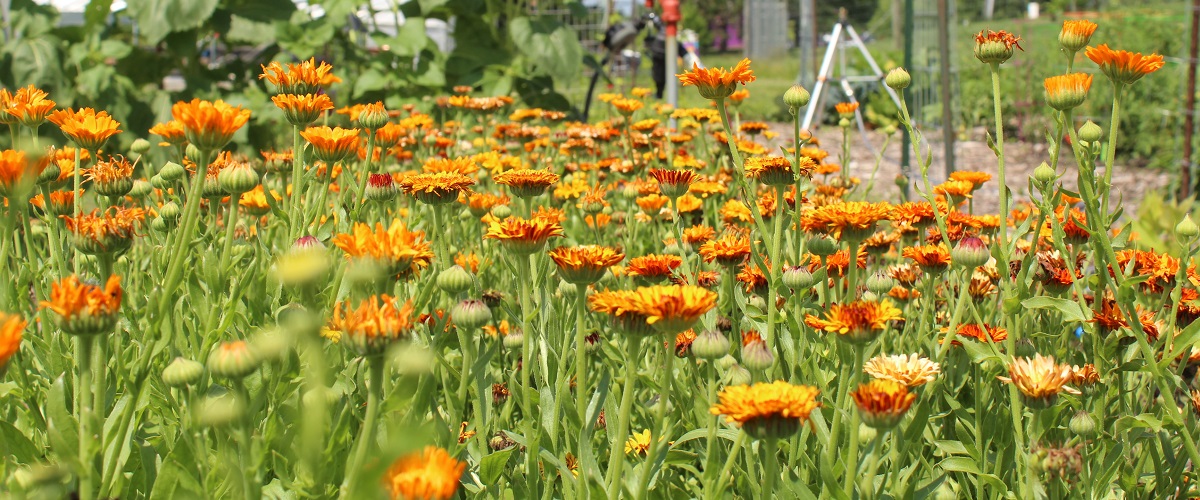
[170, 131]
[912, 370]
[209, 125]
[403, 252]
[777, 170]
[586, 264]
[846, 220]
[653, 267]
[638, 443]
[882, 403]
[372, 326]
[995, 47]
[305, 77]
[523, 236]
[673, 183]
[431, 474]
[1067, 92]
[109, 232]
[527, 183]
[1124, 67]
[11, 328]
[661, 308]
[87, 128]
[1075, 34]
[717, 83]
[84, 308]
[859, 321]
[436, 189]
[16, 172]
[29, 105]
[731, 249]
[773, 409]
[302, 109]
[1039, 379]
[331, 145]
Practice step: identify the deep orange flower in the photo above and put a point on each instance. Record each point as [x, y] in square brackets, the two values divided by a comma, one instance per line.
[523, 236]
[171, 132]
[975, 178]
[389, 135]
[331, 145]
[437, 188]
[1076, 34]
[209, 125]
[306, 77]
[585, 264]
[717, 83]
[404, 252]
[82, 308]
[482, 203]
[627, 106]
[653, 267]
[29, 105]
[883, 403]
[61, 202]
[1066, 92]
[527, 183]
[851, 219]
[932, 258]
[663, 308]
[674, 183]
[11, 328]
[731, 249]
[846, 109]
[302, 109]
[776, 170]
[856, 321]
[112, 231]
[981, 333]
[773, 409]
[88, 128]
[15, 172]
[115, 169]
[1124, 67]
[698, 234]
[431, 474]
[371, 327]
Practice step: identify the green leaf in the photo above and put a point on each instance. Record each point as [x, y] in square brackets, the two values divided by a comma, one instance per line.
[16, 445]
[369, 81]
[36, 62]
[492, 466]
[176, 478]
[158, 18]
[967, 466]
[1143, 421]
[246, 30]
[554, 48]
[1070, 310]
[63, 429]
[96, 12]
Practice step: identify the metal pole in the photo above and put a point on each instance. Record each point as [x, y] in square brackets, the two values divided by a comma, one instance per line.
[671, 17]
[1185, 170]
[944, 68]
[822, 76]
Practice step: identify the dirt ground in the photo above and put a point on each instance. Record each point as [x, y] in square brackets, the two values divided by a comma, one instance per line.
[1130, 184]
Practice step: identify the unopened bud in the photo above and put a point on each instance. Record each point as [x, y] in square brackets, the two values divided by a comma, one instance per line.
[1090, 132]
[898, 79]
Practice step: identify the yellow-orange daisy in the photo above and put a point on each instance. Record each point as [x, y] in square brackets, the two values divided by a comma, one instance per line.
[83, 308]
[404, 252]
[653, 267]
[717, 83]
[767, 410]
[1124, 67]
[523, 236]
[302, 109]
[87, 128]
[431, 474]
[209, 125]
[29, 105]
[331, 144]
[1040, 379]
[883, 403]
[858, 321]
[436, 189]
[11, 328]
[372, 326]
[305, 77]
[584, 265]
[527, 183]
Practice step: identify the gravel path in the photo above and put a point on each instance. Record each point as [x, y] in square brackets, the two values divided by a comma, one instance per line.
[1130, 184]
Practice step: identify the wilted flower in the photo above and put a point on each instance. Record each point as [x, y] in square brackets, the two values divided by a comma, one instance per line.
[84, 308]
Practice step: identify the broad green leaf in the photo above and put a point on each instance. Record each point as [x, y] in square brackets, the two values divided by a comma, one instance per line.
[96, 12]
[1070, 310]
[159, 18]
[492, 466]
[177, 477]
[553, 48]
[16, 445]
[36, 62]
[63, 429]
[1143, 421]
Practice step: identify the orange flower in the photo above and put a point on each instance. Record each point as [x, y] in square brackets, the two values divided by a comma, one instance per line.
[370, 328]
[110, 232]
[527, 183]
[404, 252]
[933, 259]
[482, 203]
[776, 170]
[523, 236]
[698, 234]
[302, 109]
[846, 220]
[11, 327]
[981, 333]
[1066, 92]
[389, 135]
[662, 308]
[883, 403]
[115, 169]
[858, 321]
[717, 83]
[85, 309]
[653, 267]
[16, 173]
[995, 47]
[209, 125]
[171, 132]
[1076, 34]
[431, 474]
[1123, 67]
[731, 249]
[87, 128]
[846, 109]
[627, 106]
[436, 189]
[584, 265]
[462, 165]
[773, 409]
[61, 202]
[306, 77]
[674, 183]
[29, 105]
[331, 145]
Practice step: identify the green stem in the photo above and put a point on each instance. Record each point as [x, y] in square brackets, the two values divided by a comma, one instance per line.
[1000, 166]
[725, 470]
[359, 199]
[616, 457]
[581, 385]
[78, 178]
[711, 448]
[230, 227]
[659, 435]
[297, 184]
[1111, 154]
[245, 447]
[366, 436]
[776, 267]
[852, 457]
[86, 359]
[183, 240]
[532, 432]
[770, 449]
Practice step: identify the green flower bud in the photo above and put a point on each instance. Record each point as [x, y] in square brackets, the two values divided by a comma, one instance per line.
[1083, 425]
[1090, 132]
[233, 360]
[182, 372]
[272, 345]
[798, 278]
[1186, 229]
[455, 280]
[501, 211]
[898, 79]
[381, 188]
[737, 375]
[796, 97]
[192, 152]
[757, 356]
[140, 188]
[470, 314]
[160, 182]
[881, 283]
[160, 225]
[237, 179]
[219, 411]
[822, 246]
[1044, 175]
[169, 211]
[140, 146]
[49, 174]
[970, 252]
[515, 339]
[710, 344]
[844, 123]
[172, 171]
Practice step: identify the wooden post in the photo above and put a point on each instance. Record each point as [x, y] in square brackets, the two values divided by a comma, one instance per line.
[944, 68]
